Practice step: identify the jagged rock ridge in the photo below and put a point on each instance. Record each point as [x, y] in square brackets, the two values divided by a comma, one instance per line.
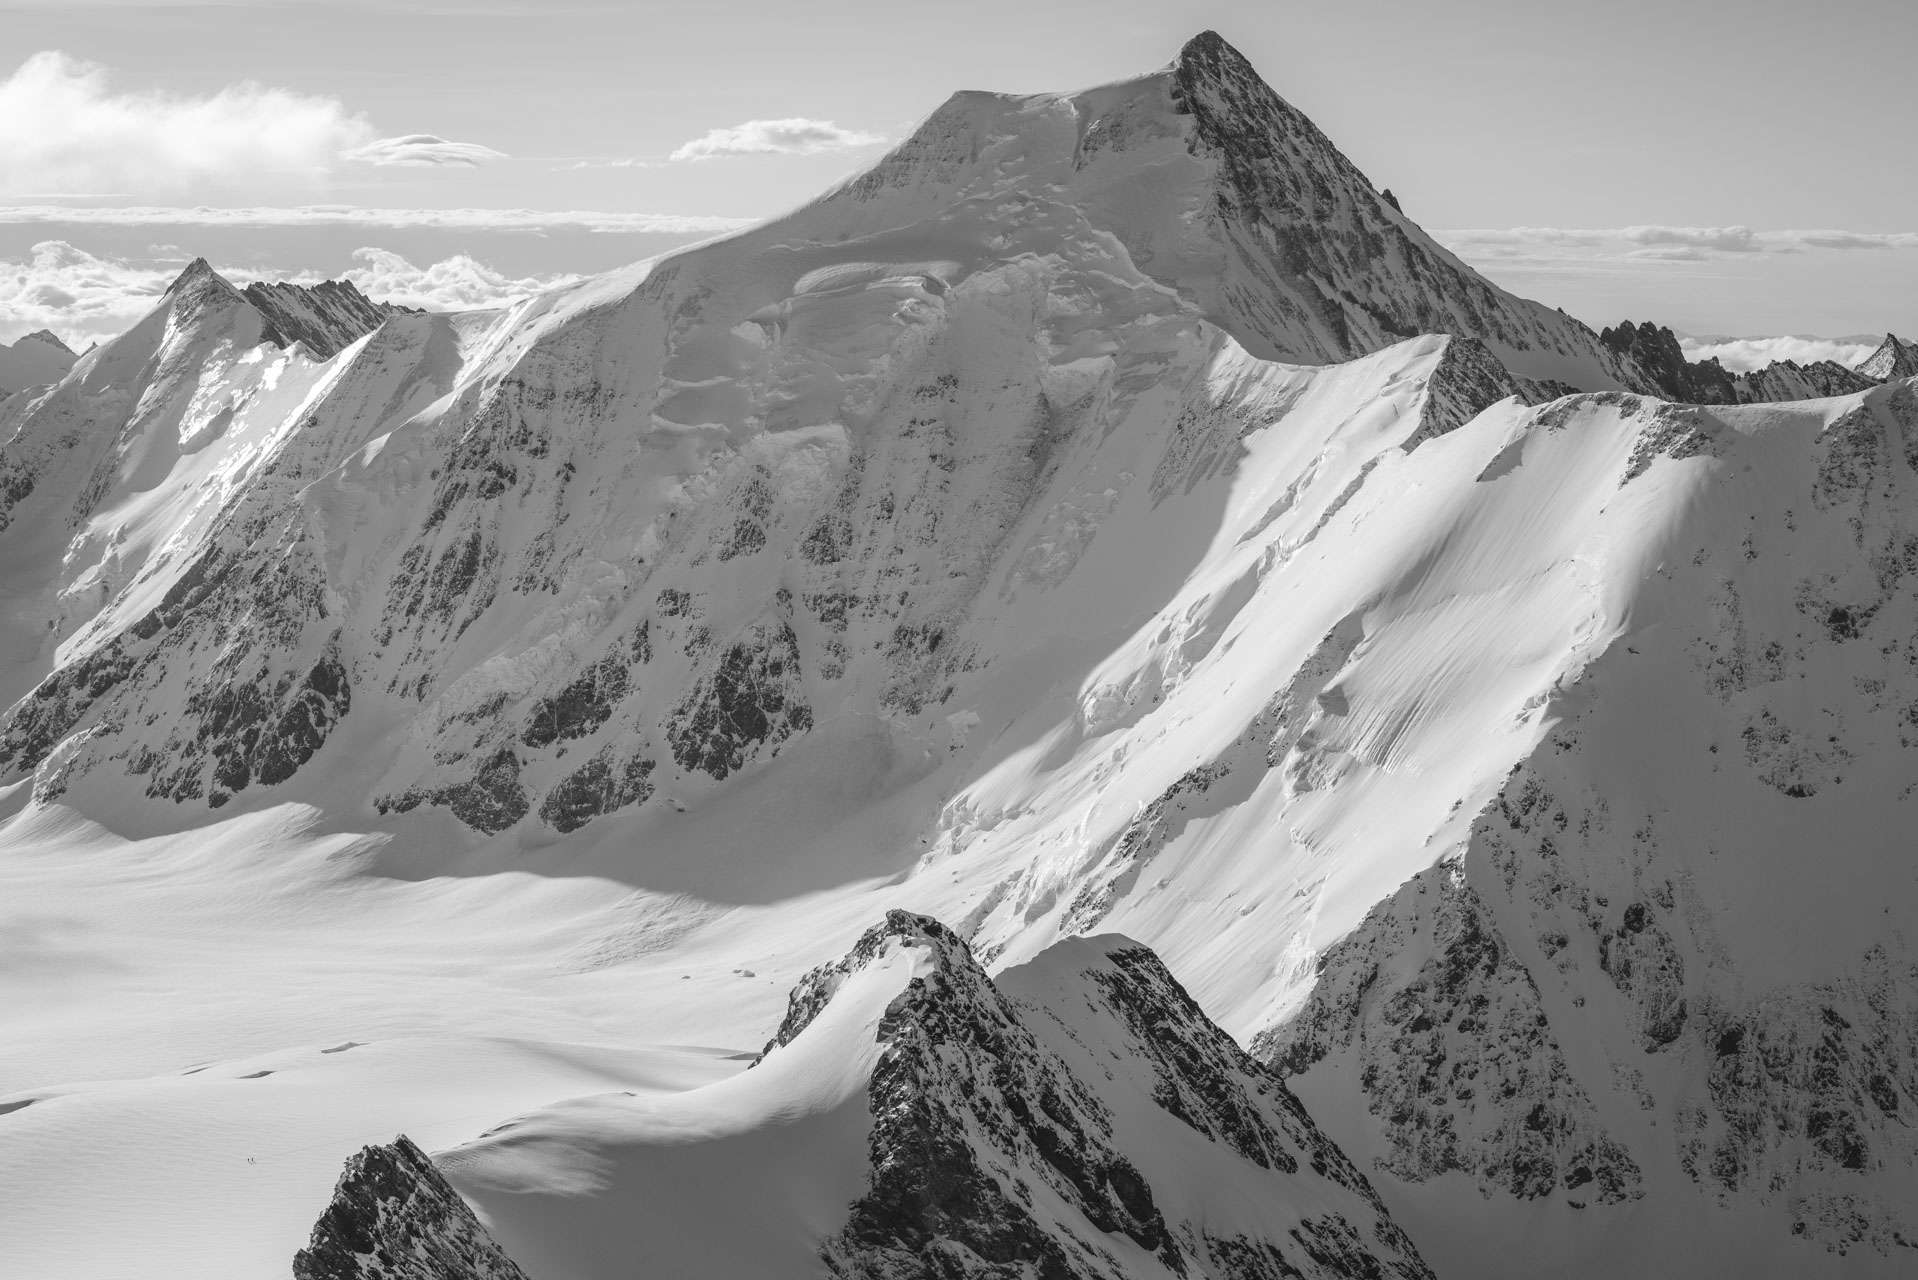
[394, 1217]
[1655, 352]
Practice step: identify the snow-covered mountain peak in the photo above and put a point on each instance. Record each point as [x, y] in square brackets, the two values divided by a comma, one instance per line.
[197, 276]
[45, 337]
[1894, 358]
[32, 360]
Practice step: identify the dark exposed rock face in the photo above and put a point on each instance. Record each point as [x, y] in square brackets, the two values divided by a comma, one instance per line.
[1655, 350]
[395, 1217]
[995, 1103]
[1457, 1062]
[1017, 1133]
[1514, 1013]
[326, 316]
[600, 786]
[1469, 379]
[1324, 253]
[749, 700]
[1655, 353]
[1789, 380]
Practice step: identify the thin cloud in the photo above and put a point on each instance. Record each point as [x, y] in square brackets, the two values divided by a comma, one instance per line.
[1856, 239]
[795, 136]
[458, 283]
[605, 162]
[424, 149]
[1702, 239]
[330, 215]
[1670, 253]
[64, 128]
[1652, 244]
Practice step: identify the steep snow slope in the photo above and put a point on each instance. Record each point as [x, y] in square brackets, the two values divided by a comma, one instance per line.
[1076, 1118]
[1669, 970]
[1894, 358]
[474, 534]
[33, 360]
[582, 672]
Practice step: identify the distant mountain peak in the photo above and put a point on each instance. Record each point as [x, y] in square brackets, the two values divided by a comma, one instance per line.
[1894, 358]
[197, 273]
[46, 336]
[326, 317]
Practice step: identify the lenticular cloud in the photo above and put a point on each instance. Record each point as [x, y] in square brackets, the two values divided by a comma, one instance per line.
[795, 136]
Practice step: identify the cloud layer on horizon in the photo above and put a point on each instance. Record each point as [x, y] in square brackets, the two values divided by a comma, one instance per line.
[84, 297]
[1647, 246]
[1741, 355]
[340, 215]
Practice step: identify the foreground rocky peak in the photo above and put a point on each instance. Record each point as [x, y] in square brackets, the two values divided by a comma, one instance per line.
[1076, 1118]
[395, 1217]
[1090, 1079]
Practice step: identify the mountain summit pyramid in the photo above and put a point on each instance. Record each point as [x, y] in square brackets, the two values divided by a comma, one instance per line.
[1894, 358]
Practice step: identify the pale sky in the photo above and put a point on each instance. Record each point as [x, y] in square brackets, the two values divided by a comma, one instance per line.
[1725, 169]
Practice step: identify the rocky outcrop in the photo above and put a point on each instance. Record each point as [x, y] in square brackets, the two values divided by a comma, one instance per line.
[395, 1217]
[1655, 350]
[1009, 1118]
[324, 317]
[1076, 1118]
[1583, 1006]
[1328, 267]
[1788, 380]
